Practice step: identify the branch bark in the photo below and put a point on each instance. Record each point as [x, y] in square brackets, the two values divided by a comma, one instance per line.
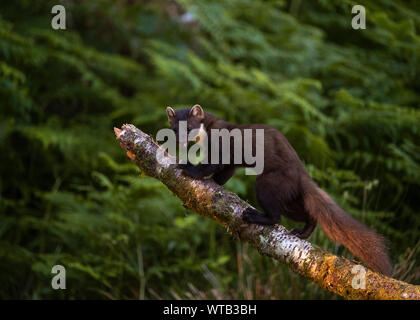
[210, 200]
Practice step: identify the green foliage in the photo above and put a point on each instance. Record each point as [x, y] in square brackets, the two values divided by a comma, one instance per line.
[346, 99]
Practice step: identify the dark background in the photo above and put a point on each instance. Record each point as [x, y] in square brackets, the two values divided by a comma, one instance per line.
[347, 100]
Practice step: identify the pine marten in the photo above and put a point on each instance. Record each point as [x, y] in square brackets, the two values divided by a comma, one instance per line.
[285, 188]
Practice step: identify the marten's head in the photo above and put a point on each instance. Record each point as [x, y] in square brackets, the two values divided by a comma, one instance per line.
[192, 117]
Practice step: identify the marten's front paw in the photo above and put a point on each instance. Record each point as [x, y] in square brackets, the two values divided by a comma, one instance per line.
[247, 217]
[250, 215]
[190, 170]
[183, 165]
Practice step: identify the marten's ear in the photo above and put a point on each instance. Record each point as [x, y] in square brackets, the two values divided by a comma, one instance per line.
[171, 114]
[197, 112]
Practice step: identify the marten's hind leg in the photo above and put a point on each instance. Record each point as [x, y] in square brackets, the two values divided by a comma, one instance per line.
[307, 230]
[251, 215]
[266, 190]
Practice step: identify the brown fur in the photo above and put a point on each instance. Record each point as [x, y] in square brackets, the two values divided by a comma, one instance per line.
[285, 188]
[343, 228]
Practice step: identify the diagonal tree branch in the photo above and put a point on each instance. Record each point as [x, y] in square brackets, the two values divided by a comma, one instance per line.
[211, 200]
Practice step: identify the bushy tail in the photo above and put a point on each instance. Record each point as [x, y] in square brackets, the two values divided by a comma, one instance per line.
[339, 226]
